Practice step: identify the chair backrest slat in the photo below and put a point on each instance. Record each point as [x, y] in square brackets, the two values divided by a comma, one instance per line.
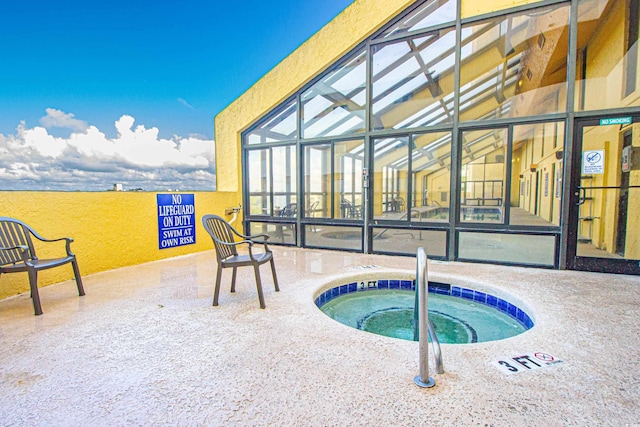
[220, 231]
[14, 233]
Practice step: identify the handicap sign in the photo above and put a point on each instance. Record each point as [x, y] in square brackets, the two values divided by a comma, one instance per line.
[593, 162]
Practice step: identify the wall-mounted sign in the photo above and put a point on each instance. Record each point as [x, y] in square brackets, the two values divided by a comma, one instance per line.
[526, 362]
[176, 220]
[546, 184]
[616, 121]
[593, 162]
[626, 158]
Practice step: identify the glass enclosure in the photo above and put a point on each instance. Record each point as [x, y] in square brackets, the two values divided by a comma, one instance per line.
[336, 104]
[397, 146]
[607, 62]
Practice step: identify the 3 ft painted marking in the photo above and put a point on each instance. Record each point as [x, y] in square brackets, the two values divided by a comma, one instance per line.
[526, 362]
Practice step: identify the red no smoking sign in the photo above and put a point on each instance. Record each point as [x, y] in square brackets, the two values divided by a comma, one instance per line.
[545, 357]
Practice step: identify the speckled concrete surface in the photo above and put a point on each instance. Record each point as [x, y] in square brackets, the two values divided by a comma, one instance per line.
[145, 347]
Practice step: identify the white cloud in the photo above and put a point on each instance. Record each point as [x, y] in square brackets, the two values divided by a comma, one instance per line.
[60, 119]
[89, 160]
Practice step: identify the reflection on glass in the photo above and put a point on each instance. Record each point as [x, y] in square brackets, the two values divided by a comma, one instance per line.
[536, 174]
[347, 178]
[432, 12]
[431, 170]
[609, 215]
[328, 236]
[508, 248]
[278, 233]
[515, 65]
[413, 81]
[335, 104]
[317, 180]
[259, 165]
[483, 175]
[390, 173]
[284, 181]
[281, 126]
[408, 241]
[607, 62]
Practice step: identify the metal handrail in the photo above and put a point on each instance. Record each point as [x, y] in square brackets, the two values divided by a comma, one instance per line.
[425, 328]
[437, 352]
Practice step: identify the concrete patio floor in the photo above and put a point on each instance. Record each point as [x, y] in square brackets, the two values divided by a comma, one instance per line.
[145, 347]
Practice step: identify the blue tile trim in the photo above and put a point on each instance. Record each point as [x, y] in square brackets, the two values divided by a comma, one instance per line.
[492, 301]
[406, 284]
[467, 293]
[437, 288]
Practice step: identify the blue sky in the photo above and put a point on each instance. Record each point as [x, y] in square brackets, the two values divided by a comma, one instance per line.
[169, 64]
[172, 65]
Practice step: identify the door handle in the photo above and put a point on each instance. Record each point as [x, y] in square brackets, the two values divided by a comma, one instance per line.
[582, 195]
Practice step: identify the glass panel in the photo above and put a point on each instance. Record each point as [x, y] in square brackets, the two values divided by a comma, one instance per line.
[483, 175]
[607, 64]
[536, 174]
[284, 181]
[329, 236]
[317, 179]
[348, 179]
[515, 65]
[471, 8]
[431, 169]
[433, 12]
[282, 126]
[609, 216]
[390, 172]
[510, 248]
[259, 165]
[408, 241]
[335, 104]
[278, 233]
[413, 81]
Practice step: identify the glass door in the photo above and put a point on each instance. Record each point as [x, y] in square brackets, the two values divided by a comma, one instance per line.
[605, 214]
[333, 197]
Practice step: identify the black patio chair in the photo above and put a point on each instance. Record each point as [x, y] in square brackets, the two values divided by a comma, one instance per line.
[222, 234]
[18, 254]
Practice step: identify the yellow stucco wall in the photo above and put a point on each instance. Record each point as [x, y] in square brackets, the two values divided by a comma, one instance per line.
[474, 7]
[110, 229]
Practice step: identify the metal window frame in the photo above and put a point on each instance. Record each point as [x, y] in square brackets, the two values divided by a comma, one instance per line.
[453, 227]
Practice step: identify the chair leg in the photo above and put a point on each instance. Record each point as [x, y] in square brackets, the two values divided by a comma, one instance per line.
[275, 278]
[76, 272]
[35, 296]
[216, 292]
[256, 270]
[233, 279]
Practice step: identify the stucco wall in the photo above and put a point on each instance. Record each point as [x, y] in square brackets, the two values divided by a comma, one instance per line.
[110, 229]
[474, 7]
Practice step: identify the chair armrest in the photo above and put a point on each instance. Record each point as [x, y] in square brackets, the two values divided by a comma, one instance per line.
[245, 242]
[24, 250]
[22, 247]
[240, 242]
[68, 240]
[253, 237]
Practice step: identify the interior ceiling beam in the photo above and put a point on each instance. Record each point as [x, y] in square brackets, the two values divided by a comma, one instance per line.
[433, 85]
